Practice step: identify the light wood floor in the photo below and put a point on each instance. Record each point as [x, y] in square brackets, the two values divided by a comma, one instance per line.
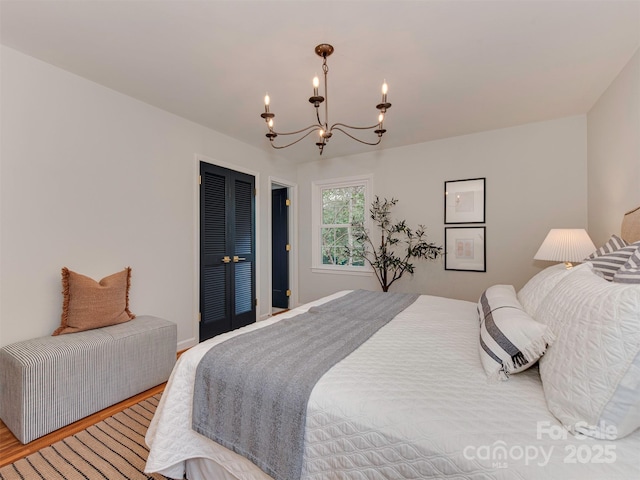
[12, 450]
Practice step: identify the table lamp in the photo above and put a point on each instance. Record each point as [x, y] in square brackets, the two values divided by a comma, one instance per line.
[566, 245]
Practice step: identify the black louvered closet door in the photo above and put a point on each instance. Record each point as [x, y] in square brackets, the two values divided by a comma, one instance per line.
[227, 250]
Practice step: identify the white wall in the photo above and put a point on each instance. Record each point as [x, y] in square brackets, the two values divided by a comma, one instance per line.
[95, 181]
[613, 128]
[536, 180]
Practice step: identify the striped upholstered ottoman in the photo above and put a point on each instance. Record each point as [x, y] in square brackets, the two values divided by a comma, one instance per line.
[49, 382]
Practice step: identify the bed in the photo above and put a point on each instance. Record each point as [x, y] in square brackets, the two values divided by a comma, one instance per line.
[415, 400]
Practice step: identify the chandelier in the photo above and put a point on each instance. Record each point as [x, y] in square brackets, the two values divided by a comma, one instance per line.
[324, 130]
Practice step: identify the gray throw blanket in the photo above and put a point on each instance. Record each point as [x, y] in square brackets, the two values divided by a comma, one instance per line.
[251, 391]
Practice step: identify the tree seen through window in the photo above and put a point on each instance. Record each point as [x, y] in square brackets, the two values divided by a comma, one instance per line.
[341, 207]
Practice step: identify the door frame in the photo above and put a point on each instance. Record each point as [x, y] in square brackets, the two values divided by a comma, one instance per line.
[196, 237]
[292, 191]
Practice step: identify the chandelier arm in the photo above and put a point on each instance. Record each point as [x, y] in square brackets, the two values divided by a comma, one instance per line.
[358, 140]
[292, 143]
[317, 127]
[352, 127]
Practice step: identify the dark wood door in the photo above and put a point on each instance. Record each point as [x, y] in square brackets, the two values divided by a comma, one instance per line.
[227, 250]
[280, 248]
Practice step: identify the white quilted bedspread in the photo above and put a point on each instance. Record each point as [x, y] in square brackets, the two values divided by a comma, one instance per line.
[413, 402]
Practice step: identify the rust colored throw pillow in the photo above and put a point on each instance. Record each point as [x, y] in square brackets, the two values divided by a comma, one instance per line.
[88, 304]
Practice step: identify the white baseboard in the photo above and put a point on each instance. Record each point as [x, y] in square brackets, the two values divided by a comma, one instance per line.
[185, 344]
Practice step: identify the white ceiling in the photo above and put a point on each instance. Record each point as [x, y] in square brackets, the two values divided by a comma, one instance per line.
[453, 67]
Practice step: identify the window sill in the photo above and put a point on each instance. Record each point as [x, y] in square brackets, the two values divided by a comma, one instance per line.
[359, 272]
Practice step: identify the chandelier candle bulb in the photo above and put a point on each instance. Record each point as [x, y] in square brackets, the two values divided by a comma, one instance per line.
[316, 84]
[385, 89]
[267, 100]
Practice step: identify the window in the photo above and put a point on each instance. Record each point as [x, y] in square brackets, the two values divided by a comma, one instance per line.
[337, 205]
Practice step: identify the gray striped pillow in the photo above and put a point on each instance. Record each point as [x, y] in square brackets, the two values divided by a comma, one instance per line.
[609, 263]
[630, 271]
[613, 244]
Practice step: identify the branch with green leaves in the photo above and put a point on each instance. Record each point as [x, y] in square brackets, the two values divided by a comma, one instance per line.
[399, 244]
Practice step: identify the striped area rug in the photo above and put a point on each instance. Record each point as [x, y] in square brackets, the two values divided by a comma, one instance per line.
[113, 449]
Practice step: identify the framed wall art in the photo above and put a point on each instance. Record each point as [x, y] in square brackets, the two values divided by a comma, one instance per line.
[464, 201]
[465, 249]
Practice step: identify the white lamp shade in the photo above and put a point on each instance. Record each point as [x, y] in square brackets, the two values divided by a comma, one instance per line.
[565, 245]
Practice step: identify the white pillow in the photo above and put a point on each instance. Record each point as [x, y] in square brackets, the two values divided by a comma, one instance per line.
[510, 340]
[591, 374]
[539, 286]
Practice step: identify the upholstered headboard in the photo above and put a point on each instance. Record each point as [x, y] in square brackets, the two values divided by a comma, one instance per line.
[631, 226]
